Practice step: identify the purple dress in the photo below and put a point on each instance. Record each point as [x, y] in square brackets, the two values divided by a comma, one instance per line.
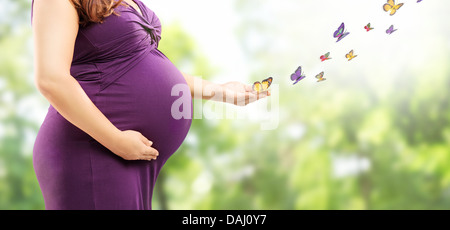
[118, 65]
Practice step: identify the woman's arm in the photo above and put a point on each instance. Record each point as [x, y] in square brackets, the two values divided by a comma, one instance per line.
[55, 27]
[231, 92]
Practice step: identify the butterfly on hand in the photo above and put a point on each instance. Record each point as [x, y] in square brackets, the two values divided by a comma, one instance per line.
[320, 77]
[297, 75]
[262, 86]
[391, 30]
[391, 6]
[325, 57]
[350, 55]
[340, 33]
[368, 28]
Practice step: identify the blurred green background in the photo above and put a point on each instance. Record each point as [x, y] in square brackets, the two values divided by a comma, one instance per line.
[374, 135]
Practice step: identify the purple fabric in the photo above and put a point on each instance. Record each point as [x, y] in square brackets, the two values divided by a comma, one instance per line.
[120, 68]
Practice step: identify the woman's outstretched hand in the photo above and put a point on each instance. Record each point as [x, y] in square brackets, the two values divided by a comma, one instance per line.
[132, 145]
[240, 94]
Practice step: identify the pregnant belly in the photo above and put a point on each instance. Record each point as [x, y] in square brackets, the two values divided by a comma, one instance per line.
[142, 100]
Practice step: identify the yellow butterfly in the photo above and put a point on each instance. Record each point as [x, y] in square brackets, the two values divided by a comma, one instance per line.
[320, 77]
[390, 6]
[350, 55]
[262, 86]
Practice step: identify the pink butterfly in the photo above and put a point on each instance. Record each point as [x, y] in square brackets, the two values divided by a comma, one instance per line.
[325, 57]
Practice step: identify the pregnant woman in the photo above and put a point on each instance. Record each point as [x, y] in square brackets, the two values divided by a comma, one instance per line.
[109, 128]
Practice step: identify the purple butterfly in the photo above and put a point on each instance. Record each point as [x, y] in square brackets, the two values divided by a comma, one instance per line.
[297, 76]
[419, 0]
[391, 30]
[340, 33]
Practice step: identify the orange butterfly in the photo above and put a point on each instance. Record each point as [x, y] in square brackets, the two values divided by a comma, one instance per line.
[320, 77]
[262, 86]
[390, 6]
[350, 55]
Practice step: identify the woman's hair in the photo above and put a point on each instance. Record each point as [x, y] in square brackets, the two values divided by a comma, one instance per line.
[95, 10]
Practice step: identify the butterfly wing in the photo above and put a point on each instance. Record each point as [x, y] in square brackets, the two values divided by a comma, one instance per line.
[296, 74]
[389, 5]
[350, 55]
[325, 57]
[299, 79]
[396, 7]
[343, 36]
[266, 83]
[257, 86]
[390, 30]
[270, 80]
[320, 75]
[338, 33]
[393, 11]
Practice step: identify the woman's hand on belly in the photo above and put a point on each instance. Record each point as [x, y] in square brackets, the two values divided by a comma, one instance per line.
[132, 145]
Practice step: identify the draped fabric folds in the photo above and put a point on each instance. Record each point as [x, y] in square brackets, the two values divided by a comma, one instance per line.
[104, 55]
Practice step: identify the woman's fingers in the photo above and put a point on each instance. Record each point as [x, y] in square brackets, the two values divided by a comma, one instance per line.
[146, 141]
[263, 94]
[243, 99]
[149, 153]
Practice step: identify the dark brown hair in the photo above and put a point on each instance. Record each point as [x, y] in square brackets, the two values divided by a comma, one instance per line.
[95, 10]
